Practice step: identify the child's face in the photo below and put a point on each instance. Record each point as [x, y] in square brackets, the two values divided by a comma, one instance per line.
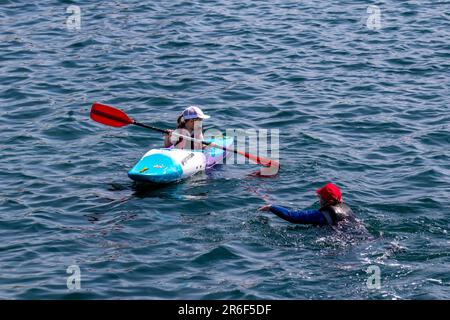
[191, 123]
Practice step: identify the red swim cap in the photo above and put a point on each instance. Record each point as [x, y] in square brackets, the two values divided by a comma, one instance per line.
[330, 192]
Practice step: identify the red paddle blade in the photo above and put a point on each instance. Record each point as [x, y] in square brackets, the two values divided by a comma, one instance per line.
[109, 115]
[271, 167]
[260, 160]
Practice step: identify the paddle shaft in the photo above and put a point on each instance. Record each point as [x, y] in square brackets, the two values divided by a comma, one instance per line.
[150, 127]
[117, 118]
[211, 144]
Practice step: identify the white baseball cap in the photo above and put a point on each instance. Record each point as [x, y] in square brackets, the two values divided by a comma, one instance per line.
[193, 112]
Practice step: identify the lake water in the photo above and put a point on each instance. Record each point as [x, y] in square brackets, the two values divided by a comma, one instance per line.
[360, 101]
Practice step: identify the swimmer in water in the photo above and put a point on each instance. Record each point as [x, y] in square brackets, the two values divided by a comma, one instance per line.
[332, 209]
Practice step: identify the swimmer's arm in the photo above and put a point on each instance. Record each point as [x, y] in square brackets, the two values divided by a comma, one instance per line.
[314, 217]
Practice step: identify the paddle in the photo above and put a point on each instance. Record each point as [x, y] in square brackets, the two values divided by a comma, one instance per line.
[114, 117]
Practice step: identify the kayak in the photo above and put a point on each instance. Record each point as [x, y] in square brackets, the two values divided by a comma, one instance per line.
[165, 165]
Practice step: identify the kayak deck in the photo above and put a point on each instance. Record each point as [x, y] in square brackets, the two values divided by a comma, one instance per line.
[165, 165]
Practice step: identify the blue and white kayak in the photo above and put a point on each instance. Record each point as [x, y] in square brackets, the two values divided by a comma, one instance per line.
[166, 165]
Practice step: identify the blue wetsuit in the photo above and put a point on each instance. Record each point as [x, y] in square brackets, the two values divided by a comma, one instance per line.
[314, 217]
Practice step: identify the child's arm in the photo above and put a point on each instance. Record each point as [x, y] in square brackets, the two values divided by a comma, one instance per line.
[167, 142]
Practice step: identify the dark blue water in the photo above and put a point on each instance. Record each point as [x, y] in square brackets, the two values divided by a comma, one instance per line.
[365, 108]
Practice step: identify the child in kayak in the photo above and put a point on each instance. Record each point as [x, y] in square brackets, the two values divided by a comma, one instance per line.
[332, 209]
[189, 124]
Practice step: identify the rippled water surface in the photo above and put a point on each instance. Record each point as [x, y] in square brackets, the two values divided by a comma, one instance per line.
[365, 108]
